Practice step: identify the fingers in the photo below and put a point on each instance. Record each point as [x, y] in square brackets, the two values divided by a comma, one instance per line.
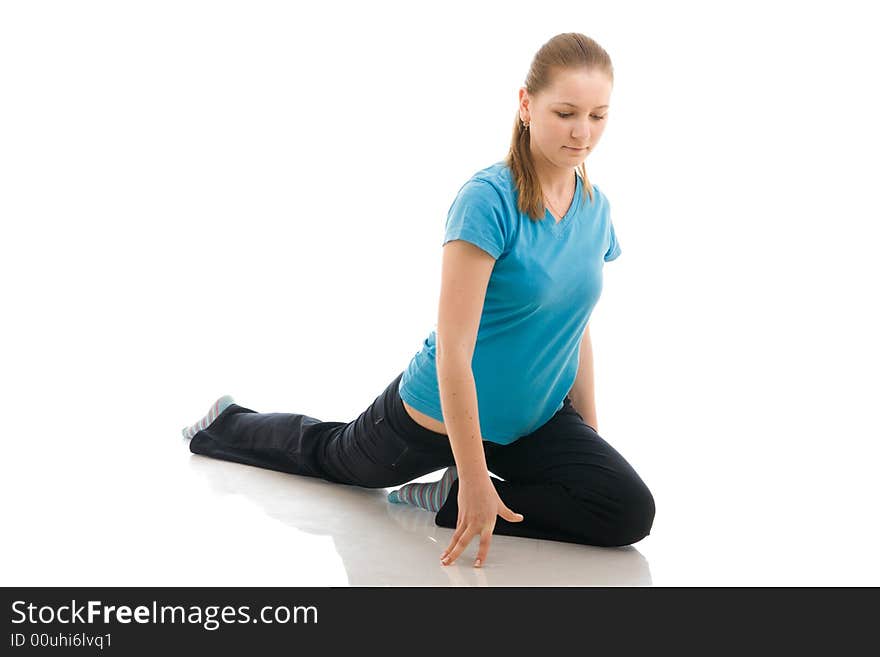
[457, 548]
[485, 540]
[449, 556]
[459, 530]
[512, 516]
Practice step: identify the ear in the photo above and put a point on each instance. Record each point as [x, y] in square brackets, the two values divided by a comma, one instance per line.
[523, 100]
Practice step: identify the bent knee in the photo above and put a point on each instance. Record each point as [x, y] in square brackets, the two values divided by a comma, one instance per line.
[635, 519]
[613, 519]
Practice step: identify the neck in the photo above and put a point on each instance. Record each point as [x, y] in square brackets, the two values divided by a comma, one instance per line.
[556, 182]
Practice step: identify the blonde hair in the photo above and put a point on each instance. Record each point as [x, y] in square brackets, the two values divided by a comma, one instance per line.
[567, 51]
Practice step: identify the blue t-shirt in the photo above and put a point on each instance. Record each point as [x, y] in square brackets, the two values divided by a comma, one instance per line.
[545, 283]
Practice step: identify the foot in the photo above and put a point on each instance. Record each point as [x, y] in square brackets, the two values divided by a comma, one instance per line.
[216, 408]
[430, 496]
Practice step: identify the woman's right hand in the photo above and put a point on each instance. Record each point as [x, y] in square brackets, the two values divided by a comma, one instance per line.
[478, 506]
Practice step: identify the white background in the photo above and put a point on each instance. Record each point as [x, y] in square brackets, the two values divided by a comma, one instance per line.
[201, 198]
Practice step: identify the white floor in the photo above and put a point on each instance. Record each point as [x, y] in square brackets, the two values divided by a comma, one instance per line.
[137, 510]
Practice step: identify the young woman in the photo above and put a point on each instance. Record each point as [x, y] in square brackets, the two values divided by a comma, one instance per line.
[505, 383]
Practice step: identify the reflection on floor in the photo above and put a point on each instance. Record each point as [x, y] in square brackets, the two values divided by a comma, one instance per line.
[382, 544]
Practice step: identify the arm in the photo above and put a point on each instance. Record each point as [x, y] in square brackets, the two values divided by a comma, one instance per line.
[582, 392]
[465, 277]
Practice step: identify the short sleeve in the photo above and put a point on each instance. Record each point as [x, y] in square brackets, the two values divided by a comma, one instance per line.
[614, 248]
[477, 216]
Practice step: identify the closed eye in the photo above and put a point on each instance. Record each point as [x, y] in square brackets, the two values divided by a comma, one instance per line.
[565, 115]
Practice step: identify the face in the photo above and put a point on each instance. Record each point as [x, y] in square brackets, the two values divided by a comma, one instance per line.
[571, 114]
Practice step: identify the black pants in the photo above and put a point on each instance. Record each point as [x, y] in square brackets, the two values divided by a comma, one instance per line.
[569, 484]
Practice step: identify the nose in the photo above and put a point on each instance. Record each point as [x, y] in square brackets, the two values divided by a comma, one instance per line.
[582, 133]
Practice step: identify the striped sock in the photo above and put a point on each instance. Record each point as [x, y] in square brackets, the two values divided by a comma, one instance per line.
[430, 496]
[216, 408]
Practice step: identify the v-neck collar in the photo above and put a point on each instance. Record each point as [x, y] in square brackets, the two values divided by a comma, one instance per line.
[558, 227]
